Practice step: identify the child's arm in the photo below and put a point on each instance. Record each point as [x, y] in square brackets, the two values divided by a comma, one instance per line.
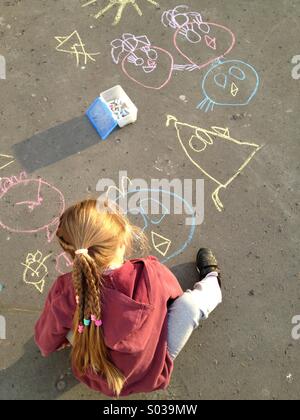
[55, 321]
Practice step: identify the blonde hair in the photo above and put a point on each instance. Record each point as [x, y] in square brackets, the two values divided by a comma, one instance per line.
[100, 230]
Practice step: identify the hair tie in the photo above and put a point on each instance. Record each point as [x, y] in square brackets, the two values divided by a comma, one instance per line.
[86, 322]
[80, 328]
[97, 322]
[82, 251]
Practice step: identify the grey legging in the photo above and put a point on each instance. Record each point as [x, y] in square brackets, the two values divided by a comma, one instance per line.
[189, 309]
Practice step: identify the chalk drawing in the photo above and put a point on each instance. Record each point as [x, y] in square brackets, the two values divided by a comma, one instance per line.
[229, 83]
[137, 53]
[121, 4]
[41, 200]
[121, 190]
[189, 26]
[6, 160]
[63, 263]
[160, 243]
[2, 328]
[2, 67]
[36, 271]
[72, 44]
[195, 140]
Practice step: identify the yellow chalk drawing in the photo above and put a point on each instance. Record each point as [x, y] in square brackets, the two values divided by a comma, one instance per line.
[234, 89]
[160, 243]
[36, 271]
[6, 160]
[73, 45]
[121, 190]
[195, 140]
[121, 4]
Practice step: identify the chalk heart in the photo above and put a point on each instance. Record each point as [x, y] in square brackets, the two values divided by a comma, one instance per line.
[216, 42]
[162, 68]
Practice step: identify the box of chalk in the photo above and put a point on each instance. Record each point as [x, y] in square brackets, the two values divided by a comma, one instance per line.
[111, 109]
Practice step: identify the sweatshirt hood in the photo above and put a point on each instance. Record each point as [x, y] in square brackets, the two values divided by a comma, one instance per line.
[127, 304]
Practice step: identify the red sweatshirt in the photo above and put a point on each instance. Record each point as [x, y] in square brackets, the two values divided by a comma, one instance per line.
[134, 313]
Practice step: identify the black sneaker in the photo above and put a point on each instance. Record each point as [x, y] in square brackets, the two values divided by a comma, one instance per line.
[206, 262]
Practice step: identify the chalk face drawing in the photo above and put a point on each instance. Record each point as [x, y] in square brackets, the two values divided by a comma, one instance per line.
[72, 44]
[214, 148]
[140, 202]
[229, 83]
[121, 4]
[36, 271]
[142, 62]
[30, 205]
[198, 41]
[64, 263]
[6, 160]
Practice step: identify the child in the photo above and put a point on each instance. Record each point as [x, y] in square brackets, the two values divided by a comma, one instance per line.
[126, 320]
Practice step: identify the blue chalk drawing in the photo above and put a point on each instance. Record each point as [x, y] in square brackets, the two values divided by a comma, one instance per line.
[229, 83]
[148, 222]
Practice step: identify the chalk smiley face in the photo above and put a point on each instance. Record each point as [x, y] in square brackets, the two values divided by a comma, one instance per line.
[143, 63]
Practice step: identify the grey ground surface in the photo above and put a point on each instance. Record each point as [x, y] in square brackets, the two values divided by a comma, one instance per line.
[245, 350]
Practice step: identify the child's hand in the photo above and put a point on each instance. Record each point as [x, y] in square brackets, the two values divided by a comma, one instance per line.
[64, 346]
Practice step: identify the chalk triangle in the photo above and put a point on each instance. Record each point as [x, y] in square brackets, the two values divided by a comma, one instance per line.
[160, 243]
[234, 89]
[40, 286]
[68, 42]
[221, 131]
[6, 160]
[211, 42]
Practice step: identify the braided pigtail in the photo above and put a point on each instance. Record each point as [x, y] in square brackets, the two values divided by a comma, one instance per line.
[95, 239]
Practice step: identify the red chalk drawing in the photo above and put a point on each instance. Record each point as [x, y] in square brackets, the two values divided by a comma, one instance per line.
[147, 59]
[30, 205]
[196, 38]
[211, 42]
[63, 263]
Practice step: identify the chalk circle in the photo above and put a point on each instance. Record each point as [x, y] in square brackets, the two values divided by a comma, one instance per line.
[41, 185]
[148, 223]
[208, 24]
[165, 82]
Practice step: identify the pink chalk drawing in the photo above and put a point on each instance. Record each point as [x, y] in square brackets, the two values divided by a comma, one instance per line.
[139, 54]
[26, 203]
[211, 37]
[63, 263]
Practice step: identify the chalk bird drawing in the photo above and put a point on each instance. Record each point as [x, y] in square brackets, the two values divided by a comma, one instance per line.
[121, 4]
[72, 44]
[199, 42]
[36, 271]
[201, 145]
[229, 83]
[142, 62]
